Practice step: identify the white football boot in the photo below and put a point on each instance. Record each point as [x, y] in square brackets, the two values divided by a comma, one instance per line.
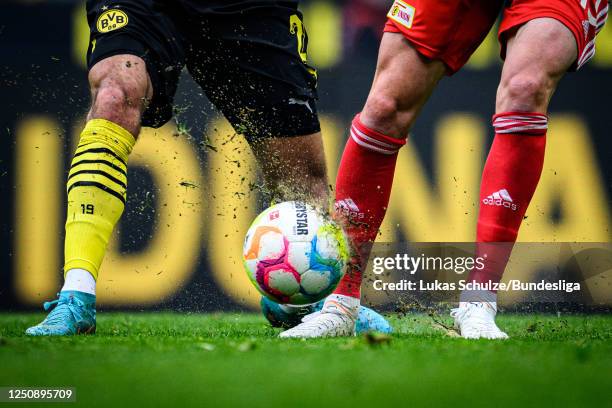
[476, 320]
[336, 319]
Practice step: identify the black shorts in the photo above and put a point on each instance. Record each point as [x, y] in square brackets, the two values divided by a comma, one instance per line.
[248, 57]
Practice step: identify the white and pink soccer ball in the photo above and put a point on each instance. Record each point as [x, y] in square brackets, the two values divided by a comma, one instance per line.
[294, 255]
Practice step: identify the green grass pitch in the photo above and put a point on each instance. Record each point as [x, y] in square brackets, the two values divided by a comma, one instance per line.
[216, 360]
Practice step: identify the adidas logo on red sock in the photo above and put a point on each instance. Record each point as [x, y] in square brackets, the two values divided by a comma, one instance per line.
[500, 198]
[348, 208]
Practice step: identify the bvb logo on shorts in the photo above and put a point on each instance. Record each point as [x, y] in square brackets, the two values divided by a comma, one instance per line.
[111, 20]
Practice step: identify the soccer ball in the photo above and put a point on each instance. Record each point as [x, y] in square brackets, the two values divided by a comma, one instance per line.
[293, 255]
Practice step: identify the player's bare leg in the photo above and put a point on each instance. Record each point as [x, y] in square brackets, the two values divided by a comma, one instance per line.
[97, 184]
[402, 84]
[538, 54]
[294, 168]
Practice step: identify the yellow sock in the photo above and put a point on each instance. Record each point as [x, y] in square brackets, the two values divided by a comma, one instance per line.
[96, 187]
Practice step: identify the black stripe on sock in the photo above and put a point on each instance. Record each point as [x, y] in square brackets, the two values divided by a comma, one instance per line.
[109, 164]
[101, 150]
[101, 173]
[97, 185]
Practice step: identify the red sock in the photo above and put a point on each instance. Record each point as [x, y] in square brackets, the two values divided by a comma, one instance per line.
[509, 179]
[363, 188]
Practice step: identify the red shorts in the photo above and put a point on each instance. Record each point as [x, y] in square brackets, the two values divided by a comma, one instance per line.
[451, 30]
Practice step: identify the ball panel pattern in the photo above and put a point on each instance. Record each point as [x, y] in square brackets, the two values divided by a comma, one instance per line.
[282, 280]
[315, 281]
[298, 256]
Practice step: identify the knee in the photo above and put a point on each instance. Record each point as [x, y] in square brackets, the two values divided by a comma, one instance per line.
[381, 109]
[113, 98]
[524, 92]
[383, 113]
[119, 100]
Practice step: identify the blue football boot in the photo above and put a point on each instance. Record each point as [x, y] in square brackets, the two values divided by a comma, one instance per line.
[282, 315]
[289, 316]
[74, 313]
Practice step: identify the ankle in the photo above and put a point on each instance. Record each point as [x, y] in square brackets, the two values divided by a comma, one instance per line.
[342, 304]
[79, 280]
